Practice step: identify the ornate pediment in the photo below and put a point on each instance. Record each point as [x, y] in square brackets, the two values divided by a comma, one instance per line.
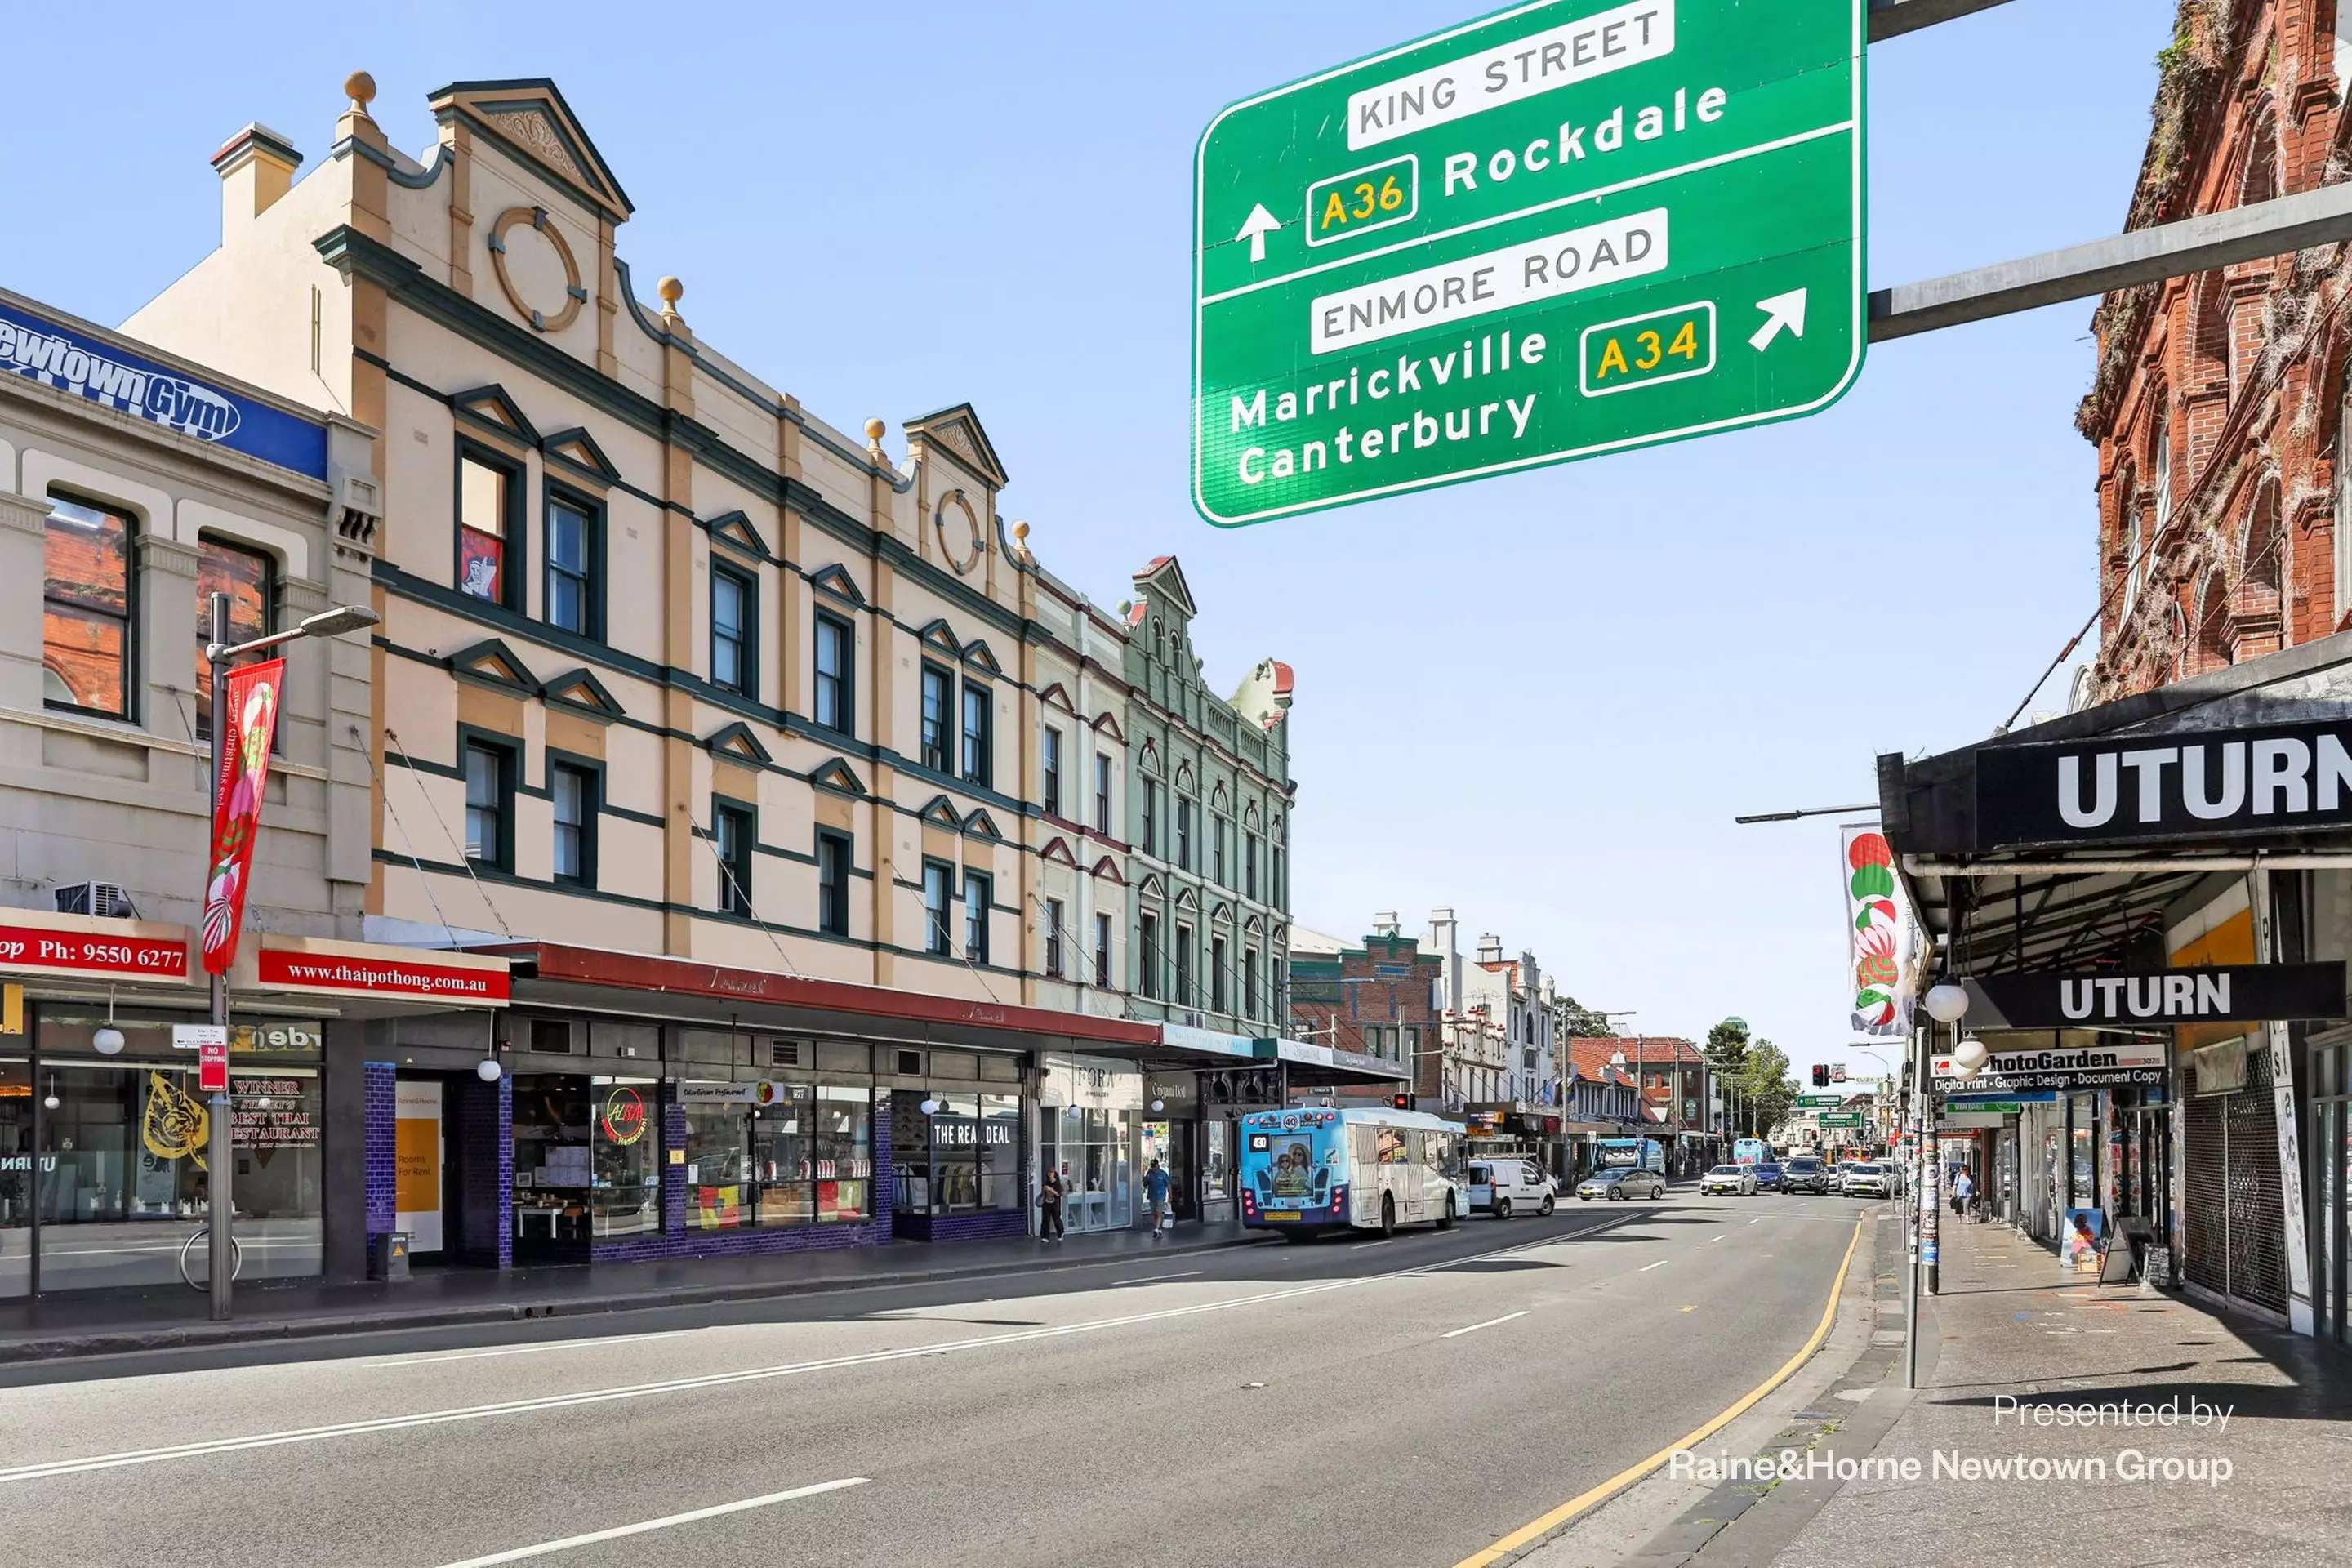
[491, 663]
[735, 528]
[580, 691]
[527, 120]
[835, 775]
[836, 581]
[489, 408]
[737, 741]
[577, 451]
[956, 431]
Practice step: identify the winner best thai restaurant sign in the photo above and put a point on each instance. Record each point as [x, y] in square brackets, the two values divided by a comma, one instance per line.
[2062, 1060]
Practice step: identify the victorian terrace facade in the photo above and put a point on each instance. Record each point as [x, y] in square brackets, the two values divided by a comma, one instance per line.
[779, 769]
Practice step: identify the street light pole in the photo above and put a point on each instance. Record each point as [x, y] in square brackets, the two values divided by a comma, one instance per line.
[220, 1153]
[220, 1208]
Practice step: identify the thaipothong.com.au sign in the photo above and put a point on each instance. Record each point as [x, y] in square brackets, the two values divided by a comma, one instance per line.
[2131, 1465]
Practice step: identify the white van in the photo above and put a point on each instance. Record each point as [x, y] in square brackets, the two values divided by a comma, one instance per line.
[1505, 1184]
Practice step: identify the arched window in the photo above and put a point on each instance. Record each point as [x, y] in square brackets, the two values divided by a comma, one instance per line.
[2125, 490]
[2262, 567]
[2260, 181]
[2213, 649]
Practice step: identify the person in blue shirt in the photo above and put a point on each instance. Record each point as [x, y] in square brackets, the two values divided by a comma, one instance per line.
[1155, 1188]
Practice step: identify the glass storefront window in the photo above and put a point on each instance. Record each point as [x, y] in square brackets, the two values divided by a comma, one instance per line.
[117, 1174]
[719, 1173]
[1094, 1151]
[627, 1198]
[845, 1154]
[15, 1177]
[553, 1169]
[1000, 1151]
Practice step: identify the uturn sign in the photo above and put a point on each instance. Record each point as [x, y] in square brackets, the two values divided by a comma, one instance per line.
[1570, 228]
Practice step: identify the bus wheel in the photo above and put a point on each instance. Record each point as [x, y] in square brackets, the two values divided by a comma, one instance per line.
[1388, 1216]
[1446, 1222]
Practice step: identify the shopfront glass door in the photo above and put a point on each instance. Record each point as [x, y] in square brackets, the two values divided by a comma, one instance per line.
[1094, 1153]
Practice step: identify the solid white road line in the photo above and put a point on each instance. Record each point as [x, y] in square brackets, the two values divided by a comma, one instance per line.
[1457, 1334]
[1148, 1278]
[718, 1380]
[1661, 1263]
[569, 1542]
[528, 1350]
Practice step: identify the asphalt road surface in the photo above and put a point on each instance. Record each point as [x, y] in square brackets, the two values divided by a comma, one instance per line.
[1346, 1402]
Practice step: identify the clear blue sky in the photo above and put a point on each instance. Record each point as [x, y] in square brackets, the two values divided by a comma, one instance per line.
[1541, 699]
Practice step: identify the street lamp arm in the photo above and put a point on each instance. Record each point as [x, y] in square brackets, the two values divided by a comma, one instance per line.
[325, 624]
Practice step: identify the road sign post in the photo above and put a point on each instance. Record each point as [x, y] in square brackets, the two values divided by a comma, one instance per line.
[1569, 228]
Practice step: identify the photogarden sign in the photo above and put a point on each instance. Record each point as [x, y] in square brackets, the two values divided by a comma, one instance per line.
[1569, 228]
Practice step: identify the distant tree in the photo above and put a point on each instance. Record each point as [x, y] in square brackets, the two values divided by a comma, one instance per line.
[1727, 1046]
[1768, 1089]
[1577, 1021]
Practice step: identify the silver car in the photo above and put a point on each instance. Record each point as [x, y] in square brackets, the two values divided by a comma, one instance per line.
[1621, 1184]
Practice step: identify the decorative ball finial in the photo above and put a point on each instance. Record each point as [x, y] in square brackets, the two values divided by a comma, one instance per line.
[1020, 532]
[671, 290]
[359, 88]
[873, 428]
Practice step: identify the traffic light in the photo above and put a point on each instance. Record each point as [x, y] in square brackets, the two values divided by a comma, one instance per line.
[1401, 1101]
[1820, 1076]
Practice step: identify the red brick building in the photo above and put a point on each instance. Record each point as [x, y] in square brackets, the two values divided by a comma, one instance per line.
[1660, 1061]
[1382, 998]
[2219, 399]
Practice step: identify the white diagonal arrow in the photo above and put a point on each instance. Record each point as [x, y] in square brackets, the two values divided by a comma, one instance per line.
[1261, 224]
[1780, 311]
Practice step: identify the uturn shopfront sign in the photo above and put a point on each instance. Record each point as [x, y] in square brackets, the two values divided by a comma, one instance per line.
[2232, 993]
[2283, 778]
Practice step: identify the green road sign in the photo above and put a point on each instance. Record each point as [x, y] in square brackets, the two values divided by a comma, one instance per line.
[1569, 228]
[1815, 1102]
[1842, 1119]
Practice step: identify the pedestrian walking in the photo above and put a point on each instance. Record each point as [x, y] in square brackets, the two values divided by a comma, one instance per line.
[1049, 1209]
[1155, 1188]
[1964, 1192]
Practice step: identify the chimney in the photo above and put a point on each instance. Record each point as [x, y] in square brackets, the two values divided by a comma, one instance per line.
[1490, 949]
[256, 166]
[1384, 923]
[1444, 931]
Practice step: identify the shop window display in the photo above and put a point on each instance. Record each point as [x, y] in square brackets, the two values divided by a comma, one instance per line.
[786, 1155]
[116, 1172]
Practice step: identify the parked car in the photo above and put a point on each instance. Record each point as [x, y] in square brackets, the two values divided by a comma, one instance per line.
[1509, 1185]
[1738, 1180]
[1770, 1176]
[1869, 1179]
[1804, 1173]
[1620, 1184]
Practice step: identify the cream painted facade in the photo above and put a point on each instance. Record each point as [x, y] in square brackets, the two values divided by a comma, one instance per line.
[474, 303]
[119, 794]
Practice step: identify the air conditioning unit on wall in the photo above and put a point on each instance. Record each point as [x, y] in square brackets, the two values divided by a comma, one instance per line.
[105, 899]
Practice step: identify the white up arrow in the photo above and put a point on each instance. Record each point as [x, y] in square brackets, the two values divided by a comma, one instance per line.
[1780, 311]
[1261, 224]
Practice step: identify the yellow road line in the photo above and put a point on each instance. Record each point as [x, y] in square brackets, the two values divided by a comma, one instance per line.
[1538, 1528]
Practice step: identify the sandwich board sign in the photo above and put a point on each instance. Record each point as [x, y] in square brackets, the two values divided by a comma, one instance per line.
[1569, 228]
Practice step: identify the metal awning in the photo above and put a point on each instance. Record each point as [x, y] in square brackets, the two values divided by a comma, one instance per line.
[1312, 1065]
[2080, 879]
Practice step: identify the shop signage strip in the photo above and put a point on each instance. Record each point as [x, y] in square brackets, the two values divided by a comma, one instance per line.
[2215, 784]
[112, 950]
[2227, 994]
[90, 367]
[2113, 1063]
[423, 976]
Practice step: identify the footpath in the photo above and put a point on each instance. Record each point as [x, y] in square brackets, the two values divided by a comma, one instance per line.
[2058, 1421]
[177, 1318]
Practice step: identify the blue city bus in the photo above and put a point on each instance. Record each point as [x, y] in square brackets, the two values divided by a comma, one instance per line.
[1313, 1169]
[1628, 1153]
